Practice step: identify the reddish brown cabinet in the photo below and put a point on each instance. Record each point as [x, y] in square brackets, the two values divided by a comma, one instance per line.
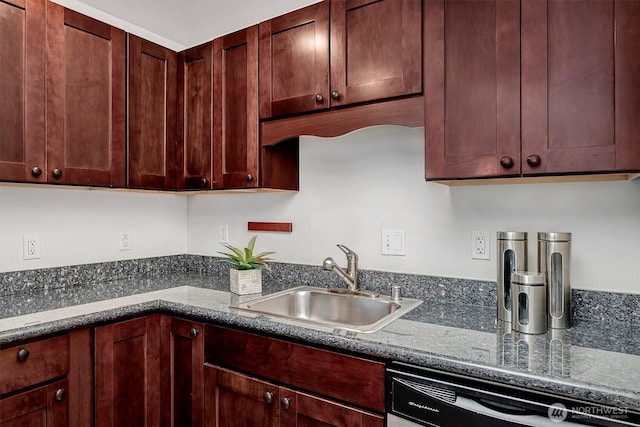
[472, 88]
[152, 115]
[339, 53]
[235, 111]
[194, 153]
[22, 83]
[46, 406]
[531, 88]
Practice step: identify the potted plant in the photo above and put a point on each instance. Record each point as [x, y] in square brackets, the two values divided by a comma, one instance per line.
[246, 268]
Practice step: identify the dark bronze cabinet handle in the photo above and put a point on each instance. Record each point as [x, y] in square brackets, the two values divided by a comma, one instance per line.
[534, 160]
[57, 173]
[22, 355]
[319, 98]
[60, 394]
[249, 178]
[335, 94]
[193, 332]
[204, 182]
[268, 397]
[36, 171]
[506, 162]
[285, 402]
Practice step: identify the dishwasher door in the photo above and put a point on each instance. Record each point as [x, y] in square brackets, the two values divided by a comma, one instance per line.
[420, 397]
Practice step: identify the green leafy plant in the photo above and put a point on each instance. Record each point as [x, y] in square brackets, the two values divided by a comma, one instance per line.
[246, 259]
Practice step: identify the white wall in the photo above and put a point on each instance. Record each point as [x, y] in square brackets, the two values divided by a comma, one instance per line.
[78, 226]
[353, 186]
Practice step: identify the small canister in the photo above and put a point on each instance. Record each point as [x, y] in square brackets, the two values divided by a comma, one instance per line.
[554, 253]
[528, 302]
[512, 256]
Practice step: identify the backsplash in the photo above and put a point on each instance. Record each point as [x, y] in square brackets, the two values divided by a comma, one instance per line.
[598, 306]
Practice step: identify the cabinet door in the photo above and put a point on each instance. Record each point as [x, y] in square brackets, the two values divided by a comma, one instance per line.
[236, 109]
[182, 373]
[580, 89]
[22, 77]
[42, 407]
[294, 62]
[195, 115]
[472, 88]
[152, 115]
[127, 373]
[375, 49]
[299, 409]
[232, 400]
[85, 100]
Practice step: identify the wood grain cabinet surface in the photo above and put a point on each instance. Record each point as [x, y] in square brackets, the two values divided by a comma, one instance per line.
[339, 52]
[152, 115]
[531, 88]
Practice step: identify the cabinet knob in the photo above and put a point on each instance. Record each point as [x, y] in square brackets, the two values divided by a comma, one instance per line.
[285, 402]
[36, 171]
[335, 94]
[193, 332]
[203, 182]
[57, 173]
[60, 394]
[534, 160]
[22, 355]
[506, 162]
[319, 98]
[249, 178]
[268, 397]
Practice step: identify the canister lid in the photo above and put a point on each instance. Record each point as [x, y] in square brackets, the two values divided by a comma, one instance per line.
[528, 278]
[550, 236]
[512, 235]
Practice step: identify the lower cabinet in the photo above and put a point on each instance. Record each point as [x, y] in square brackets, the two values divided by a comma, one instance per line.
[45, 406]
[233, 399]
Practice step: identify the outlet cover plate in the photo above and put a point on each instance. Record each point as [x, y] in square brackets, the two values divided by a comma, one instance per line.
[31, 246]
[480, 245]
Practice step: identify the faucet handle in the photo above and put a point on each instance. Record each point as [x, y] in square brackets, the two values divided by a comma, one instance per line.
[348, 252]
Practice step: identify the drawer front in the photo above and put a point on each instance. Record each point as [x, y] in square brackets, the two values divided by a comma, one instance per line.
[32, 363]
[350, 379]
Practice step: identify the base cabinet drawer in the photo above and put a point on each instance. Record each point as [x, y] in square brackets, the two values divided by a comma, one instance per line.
[45, 406]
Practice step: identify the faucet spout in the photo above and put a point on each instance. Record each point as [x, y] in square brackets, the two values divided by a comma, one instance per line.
[350, 277]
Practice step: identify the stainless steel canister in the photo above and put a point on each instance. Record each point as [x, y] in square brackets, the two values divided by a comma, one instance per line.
[528, 302]
[512, 256]
[554, 254]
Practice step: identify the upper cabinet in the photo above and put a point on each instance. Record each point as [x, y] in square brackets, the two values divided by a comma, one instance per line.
[152, 115]
[85, 100]
[575, 64]
[195, 115]
[235, 110]
[62, 117]
[338, 53]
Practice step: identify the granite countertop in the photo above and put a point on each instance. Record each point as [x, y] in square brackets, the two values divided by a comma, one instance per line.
[591, 361]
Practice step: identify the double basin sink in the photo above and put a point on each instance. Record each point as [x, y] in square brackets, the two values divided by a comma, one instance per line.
[353, 311]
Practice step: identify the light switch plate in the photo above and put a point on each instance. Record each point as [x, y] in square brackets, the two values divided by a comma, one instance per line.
[393, 242]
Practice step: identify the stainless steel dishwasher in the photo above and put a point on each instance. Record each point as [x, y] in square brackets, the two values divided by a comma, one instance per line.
[423, 397]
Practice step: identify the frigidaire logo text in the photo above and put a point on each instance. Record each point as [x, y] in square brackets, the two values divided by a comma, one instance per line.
[419, 406]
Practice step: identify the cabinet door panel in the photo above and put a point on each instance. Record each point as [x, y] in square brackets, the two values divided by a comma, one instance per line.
[570, 65]
[85, 99]
[152, 115]
[472, 87]
[236, 109]
[195, 116]
[22, 76]
[37, 408]
[375, 49]
[294, 62]
[127, 387]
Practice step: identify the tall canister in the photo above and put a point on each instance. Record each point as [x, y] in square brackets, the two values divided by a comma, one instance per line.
[554, 255]
[512, 256]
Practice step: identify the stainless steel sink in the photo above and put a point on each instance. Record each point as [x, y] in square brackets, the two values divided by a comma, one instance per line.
[352, 311]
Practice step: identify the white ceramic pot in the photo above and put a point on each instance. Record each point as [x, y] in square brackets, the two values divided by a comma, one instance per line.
[245, 282]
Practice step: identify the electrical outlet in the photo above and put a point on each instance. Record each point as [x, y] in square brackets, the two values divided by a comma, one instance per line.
[125, 240]
[393, 242]
[224, 234]
[31, 246]
[480, 245]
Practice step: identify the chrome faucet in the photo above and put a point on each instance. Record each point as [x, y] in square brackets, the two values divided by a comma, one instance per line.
[350, 277]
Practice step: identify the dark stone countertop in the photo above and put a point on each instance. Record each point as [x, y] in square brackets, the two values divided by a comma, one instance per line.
[596, 362]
